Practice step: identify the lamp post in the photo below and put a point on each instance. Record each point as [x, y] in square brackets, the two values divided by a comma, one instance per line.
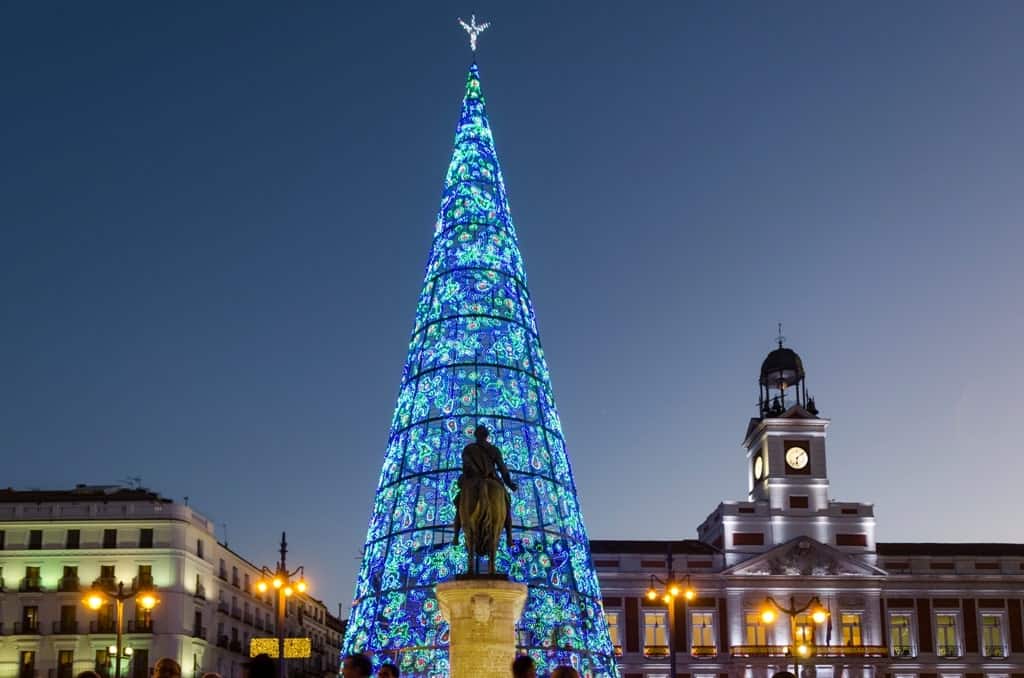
[819, 615]
[673, 589]
[281, 580]
[94, 601]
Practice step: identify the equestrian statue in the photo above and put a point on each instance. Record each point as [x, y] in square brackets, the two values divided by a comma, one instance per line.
[483, 507]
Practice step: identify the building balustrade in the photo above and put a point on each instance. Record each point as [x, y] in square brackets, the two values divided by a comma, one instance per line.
[850, 651]
[65, 627]
[140, 626]
[901, 651]
[655, 650]
[69, 584]
[31, 584]
[26, 627]
[759, 650]
[102, 626]
[704, 651]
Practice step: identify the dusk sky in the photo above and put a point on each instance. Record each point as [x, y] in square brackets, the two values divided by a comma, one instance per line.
[216, 216]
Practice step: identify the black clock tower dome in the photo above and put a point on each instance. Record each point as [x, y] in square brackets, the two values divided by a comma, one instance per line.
[783, 377]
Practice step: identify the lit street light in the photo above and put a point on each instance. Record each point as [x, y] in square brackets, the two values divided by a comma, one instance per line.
[281, 581]
[673, 589]
[97, 597]
[818, 615]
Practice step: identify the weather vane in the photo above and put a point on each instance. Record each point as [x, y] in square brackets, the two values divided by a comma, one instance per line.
[780, 338]
[474, 29]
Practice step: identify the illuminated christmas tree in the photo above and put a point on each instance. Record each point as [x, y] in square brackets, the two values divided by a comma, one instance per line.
[475, 358]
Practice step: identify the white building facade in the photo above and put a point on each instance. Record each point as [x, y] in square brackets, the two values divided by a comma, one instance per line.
[56, 545]
[911, 610]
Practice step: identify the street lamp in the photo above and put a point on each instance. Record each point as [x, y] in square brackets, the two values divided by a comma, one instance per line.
[673, 589]
[97, 597]
[818, 614]
[281, 581]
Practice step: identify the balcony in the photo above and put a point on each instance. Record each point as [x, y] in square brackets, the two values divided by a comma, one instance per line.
[223, 607]
[65, 628]
[26, 627]
[247, 618]
[69, 584]
[902, 652]
[948, 651]
[31, 584]
[140, 626]
[144, 582]
[235, 646]
[222, 641]
[704, 651]
[994, 652]
[223, 574]
[105, 584]
[199, 632]
[200, 593]
[259, 623]
[102, 626]
[655, 650]
[236, 612]
[759, 650]
[850, 651]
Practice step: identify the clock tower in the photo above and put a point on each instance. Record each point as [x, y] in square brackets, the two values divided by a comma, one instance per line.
[787, 476]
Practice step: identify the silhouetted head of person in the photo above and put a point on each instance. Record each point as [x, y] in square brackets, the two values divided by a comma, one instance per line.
[356, 666]
[388, 670]
[166, 668]
[262, 666]
[565, 671]
[481, 433]
[88, 674]
[523, 667]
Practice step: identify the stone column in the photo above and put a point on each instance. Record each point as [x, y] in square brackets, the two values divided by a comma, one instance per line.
[482, 614]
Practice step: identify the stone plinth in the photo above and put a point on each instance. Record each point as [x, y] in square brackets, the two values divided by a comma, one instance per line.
[482, 615]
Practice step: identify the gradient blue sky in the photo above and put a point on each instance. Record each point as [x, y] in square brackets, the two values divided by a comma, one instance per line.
[216, 217]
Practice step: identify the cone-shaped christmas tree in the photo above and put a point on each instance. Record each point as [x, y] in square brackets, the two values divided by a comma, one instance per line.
[475, 358]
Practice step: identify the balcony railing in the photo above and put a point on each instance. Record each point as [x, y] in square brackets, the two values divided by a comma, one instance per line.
[235, 646]
[850, 651]
[223, 574]
[105, 583]
[199, 632]
[67, 628]
[222, 641]
[236, 612]
[947, 651]
[140, 626]
[759, 650]
[26, 628]
[142, 582]
[655, 650]
[994, 651]
[31, 584]
[223, 607]
[704, 651]
[901, 651]
[200, 592]
[65, 584]
[102, 626]
[247, 618]
[259, 623]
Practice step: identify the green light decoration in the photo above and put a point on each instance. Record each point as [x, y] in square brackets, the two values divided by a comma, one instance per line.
[475, 358]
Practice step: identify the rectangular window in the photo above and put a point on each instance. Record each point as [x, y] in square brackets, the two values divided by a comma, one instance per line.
[30, 619]
[245, 583]
[32, 580]
[110, 539]
[73, 539]
[754, 631]
[799, 502]
[146, 538]
[107, 575]
[102, 663]
[199, 548]
[992, 635]
[3, 539]
[900, 635]
[35, 539]
[27, 664]
[803, 629]
[655, 638]
[65, 663]
[702, 632]
[140, 663]
[234, 576]
[947, 636]
[851, 629]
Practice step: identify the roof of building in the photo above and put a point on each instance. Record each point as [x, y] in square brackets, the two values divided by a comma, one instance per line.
[81, 493]
[652, 546]
[948, 549]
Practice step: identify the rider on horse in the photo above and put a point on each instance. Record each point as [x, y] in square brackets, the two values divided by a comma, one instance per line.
[482, 460]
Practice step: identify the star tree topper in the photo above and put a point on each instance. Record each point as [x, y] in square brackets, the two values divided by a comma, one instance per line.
[474, 29]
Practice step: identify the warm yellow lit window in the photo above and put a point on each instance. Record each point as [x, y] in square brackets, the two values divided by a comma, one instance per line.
[702, 630]
[899, 634]
[946, 636]
[655, 638]
[803, 629]
[851, 628]
[992, 635]
[613, 628]
[755, 632]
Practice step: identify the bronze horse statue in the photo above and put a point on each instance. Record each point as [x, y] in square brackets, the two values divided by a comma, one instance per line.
[482, 506]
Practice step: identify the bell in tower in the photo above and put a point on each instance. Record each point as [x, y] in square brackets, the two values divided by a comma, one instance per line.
[782, 380]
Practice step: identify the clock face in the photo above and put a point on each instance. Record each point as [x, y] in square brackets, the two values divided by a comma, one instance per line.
[796, 457]
[758, 467]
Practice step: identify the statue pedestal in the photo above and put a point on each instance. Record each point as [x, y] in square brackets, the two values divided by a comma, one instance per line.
[482, 614]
